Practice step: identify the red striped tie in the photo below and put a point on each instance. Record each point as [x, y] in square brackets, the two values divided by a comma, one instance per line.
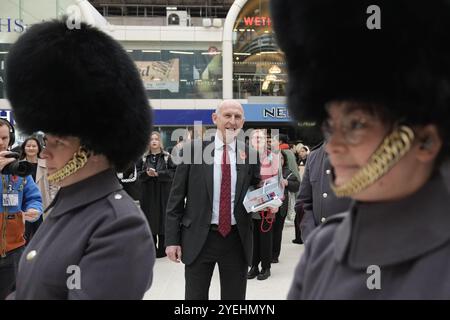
[225, 195]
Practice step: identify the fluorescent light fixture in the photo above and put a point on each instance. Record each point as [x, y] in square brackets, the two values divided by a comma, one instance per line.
[183, 80]
[242, 54]
[270, 52]
[128, 50]
[3, 52]
[151, 51]
[181, 52]
[211, 53]
[171, 8]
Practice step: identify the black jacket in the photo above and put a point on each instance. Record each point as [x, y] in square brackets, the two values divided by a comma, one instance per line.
[155, 191]
[189, 211]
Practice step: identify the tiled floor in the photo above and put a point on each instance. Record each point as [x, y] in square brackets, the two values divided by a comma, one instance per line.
[168, 281]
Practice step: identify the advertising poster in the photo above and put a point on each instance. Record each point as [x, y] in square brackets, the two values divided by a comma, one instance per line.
[160, 75]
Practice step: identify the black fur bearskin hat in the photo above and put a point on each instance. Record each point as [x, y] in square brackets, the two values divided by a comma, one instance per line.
[332, 54]
[79, 82]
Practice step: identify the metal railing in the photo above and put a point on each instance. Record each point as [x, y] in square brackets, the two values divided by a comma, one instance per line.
[155, 10]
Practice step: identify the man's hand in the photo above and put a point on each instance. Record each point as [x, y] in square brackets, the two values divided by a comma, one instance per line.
[174, 253]
[273, 209]
[31, 215]
[152, 173]
[285, 182]
[5, 161]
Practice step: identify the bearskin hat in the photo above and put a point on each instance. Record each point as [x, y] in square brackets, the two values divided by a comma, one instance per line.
[333, 53]
[79, 82]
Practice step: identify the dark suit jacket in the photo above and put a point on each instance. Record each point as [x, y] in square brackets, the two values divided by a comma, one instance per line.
[318, 199]
[188, 222]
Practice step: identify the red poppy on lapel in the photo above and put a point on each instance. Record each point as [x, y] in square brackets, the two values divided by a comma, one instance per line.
[14, 178]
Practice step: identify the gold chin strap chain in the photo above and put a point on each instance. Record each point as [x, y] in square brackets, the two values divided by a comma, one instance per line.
[393, 148]
[76, 163]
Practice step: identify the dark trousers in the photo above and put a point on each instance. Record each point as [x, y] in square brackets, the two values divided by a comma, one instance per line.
[160, 248]
[8, 272]
[298, 219]
[262, 245]
[31, 228]
[278, 226]
[228, 253]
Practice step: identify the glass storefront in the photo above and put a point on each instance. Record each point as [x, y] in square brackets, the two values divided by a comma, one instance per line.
[258, 64]
[3, 52]
[180, 73]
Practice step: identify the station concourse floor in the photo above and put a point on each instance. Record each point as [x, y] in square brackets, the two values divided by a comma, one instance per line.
[168, 277]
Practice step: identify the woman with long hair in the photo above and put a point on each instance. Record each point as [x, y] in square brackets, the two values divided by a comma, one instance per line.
[30, 151]
[156, 178]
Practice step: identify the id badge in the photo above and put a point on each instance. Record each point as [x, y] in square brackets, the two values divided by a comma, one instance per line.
[10, 199]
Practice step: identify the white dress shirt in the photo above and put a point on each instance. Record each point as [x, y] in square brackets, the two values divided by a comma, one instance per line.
[218, 153]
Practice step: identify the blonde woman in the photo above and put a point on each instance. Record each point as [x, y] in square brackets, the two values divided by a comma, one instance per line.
[156, 178]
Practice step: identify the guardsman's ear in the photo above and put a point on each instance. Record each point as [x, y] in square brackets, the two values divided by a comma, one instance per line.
[430, 143]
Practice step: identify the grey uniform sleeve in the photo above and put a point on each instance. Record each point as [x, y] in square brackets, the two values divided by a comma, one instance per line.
[118, 262]
[305, 198]
[295, 292]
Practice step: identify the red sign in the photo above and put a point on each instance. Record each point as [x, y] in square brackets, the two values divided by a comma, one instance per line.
[257, 21]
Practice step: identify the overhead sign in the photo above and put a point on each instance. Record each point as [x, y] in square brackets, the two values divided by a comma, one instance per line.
[183, 117]
[257, 21]
[11, 25]
[7, 114]
[266, 113]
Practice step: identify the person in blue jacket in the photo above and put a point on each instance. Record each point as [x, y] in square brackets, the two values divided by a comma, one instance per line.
[20, 201]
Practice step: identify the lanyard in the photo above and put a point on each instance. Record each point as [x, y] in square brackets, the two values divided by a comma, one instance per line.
[7, 186]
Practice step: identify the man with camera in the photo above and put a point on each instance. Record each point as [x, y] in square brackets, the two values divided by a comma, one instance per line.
[20, 201]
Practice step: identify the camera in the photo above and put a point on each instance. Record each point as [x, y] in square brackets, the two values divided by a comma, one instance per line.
[21, 168]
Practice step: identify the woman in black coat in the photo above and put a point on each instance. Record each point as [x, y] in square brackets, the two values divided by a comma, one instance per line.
[156, 178]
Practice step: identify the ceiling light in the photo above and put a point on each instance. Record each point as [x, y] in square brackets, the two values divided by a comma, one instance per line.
[181, 52]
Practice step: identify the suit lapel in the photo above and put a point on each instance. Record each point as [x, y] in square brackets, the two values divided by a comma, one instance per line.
[241, 171]
[208, 170]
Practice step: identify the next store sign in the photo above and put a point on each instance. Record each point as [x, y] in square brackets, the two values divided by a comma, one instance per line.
[253, 113]
[266, 113]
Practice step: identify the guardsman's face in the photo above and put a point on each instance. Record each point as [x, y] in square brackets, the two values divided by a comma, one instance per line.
[353, 135]
[58, 151]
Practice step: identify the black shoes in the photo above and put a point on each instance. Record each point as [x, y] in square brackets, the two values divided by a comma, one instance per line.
[253, 273]
[297, 241]
[274, 260]
[265, 273]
